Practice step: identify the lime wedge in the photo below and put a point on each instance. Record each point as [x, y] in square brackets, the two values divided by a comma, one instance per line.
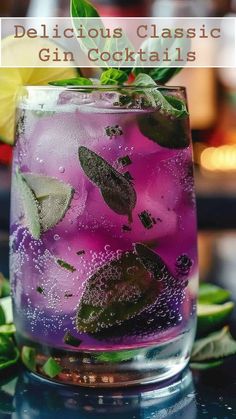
[212, 316]
[13, 78]
[53, 197]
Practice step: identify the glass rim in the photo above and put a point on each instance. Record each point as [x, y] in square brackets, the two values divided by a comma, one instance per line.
[105, 87]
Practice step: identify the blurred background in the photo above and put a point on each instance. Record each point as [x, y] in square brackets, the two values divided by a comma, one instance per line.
[212, 103]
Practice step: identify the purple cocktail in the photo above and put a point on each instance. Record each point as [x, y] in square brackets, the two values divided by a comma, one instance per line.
[103, 235]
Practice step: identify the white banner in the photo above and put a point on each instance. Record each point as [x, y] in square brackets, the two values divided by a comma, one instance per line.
[118, 42]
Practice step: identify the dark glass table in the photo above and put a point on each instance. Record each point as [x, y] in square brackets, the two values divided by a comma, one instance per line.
[193, 395]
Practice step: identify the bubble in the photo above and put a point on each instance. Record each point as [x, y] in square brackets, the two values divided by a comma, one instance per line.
[61, 169]
[56, 237]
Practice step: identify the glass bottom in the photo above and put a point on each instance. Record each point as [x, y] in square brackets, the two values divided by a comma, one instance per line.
[117, 368]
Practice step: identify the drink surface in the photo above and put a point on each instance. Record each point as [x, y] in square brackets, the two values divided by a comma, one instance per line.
[103, 225]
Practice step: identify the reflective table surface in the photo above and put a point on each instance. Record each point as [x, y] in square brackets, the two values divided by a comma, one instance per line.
[192, 395]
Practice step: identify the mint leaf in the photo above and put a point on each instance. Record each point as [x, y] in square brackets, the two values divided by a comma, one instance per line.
[28, 356]
[76, 81]
[113, 76]
[212, 294]
[66, 265]
[53, 198]
[82, 8]
[7, 329]
[5, 288]
[117, 356]
[71, 340]
[216, 345]
[52, 368]
[168, 105]
[2, 316]
[30, 205]
[9, 354]
[116, 190]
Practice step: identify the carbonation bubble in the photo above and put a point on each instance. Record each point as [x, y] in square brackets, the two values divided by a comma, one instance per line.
[61, 169]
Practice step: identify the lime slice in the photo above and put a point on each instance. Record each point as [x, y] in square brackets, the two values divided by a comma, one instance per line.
[212, 294]
[211, 316]
[53, 197]
[30, 205]
[11, 79]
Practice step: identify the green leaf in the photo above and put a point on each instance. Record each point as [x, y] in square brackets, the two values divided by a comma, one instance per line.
[7, 329]
[169, 105]
[212, 294]
[6, 304]
[53, 198]
[113, 76]
[9, 354]
[77, 81]
[201, 366]
[130, 288]
[5, 288]
[6, 346]
[117, 356]
[28, 356]
[66, 265]
[116, 190]
[217, 345]
[2, 316]
[82, 8]
[71, 340]
[9, 362]
[162, 75]
[52, 368]
[30, 205]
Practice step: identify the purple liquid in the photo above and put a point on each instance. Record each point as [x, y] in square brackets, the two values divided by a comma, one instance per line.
[47, 296]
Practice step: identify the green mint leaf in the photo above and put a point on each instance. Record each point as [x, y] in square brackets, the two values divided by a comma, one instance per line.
[212, 294]
[6, 346]
[53, 198]
[166, 132]
[202, 366]
[5, 288]
[71, 340]
[7, 329]
[217, 345]
[113, 76]
[212, 316]
[116, 190]
[117, 356]
[162, 75]
[40, 290]
[77, 81]
[30, 205]
[130, 288]
[52, 368]
[28, 356]
[82, 8]
[66, 265]
[6, 304]
[11, 360]
[2, 316]
[168, 105]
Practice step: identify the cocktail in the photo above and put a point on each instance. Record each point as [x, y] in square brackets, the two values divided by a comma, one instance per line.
[103, 233]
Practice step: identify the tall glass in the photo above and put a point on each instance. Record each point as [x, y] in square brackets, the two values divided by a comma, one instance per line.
[103, 235]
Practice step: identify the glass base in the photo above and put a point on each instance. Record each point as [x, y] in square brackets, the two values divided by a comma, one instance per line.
[117, 368]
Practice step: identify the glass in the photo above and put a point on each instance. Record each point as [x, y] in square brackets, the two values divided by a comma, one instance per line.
[103, 248]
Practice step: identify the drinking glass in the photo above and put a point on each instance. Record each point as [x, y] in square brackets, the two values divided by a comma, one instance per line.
[103, 248]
